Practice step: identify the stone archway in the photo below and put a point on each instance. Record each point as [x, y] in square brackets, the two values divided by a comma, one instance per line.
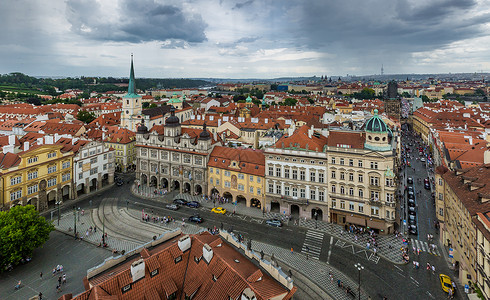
[176, 185]
[254, 202]
[317, 214]
[214, 191]
[33, 201]
[228, 196]
[241, 199]
[93, 185]
[187, 187]
[294, 211]
[51, 197]
[275, 207]
[105, 179]
[144, 179]
[153, 181]
[65, 192]
[80, 189]
[164, 183]
[198, 189]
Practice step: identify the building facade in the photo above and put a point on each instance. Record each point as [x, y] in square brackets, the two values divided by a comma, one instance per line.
[482, 223]
[93, 166]
[173, 158]
[123, 141]
[40, 175]
[237, 174]
[343, 177]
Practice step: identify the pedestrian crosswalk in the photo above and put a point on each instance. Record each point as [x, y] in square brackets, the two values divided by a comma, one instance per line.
[425, 247]
[312, 246]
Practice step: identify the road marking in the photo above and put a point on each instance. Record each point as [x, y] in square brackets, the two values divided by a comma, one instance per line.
[260, 221]
[329, 249]
[430, 295]
[312, 246]
[398, 268]
[400, 274]
[415, 281]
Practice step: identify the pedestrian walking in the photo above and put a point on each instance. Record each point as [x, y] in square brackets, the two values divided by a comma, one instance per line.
[59, 280]
[41, 275]
[428, 266]
[64, 278]
[291, 250]
[40, 296]
[433, 269]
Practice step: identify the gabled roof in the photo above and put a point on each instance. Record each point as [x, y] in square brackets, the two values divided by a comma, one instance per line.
[300, 139]
[248, 161]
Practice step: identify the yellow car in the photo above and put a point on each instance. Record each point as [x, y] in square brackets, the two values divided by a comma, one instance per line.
[218, 210]
[446, 283]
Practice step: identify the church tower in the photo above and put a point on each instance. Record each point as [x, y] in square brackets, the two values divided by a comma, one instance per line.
[132, 104]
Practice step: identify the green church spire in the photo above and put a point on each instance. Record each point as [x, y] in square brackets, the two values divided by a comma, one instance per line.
[132, 82]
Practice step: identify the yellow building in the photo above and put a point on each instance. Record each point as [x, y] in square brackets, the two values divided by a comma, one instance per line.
[465, 194]
[123, 141]
[238, 175]
[40, 175]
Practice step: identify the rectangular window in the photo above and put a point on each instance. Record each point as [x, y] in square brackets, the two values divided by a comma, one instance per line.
[94, 171]
[321, 196]
[342, 175]
[440, 181]
[164, 155]
[374, 196]
[271, 171]
[334, 203]
[312, 194]
[295, 174]
[153, 153]
[351, 176]
[440, 196]
[240, 176]
[361, 193]
[441, 212]
[175, 156]
[360, 178]
[217, 181]
[271, 188]
[15, 195]
[210, 170]
[227, 173]
[302, 193]
[374, 211]
[359, 163]
[320, 177]
[198, 160]
[286, 190]
[389, 181]
[334, 174]
[342, 204]
[105, 156]
[65, 177]
[52, 182]
[251, 190]
[351, 191]
[52, 154]
[295, 192]
[278, 189]
[351, 162]
[143, 152]
[187, 159]
[211, 180]
[15, 180]
[351, 206]
[80, 164]
[278, 172]
[93, 160]
[342, 161]
[51, 169]
[259, 191]
[302, 175]
[217, 171]
[259, 179]
[80, 176]
[32, 160]
[334, 189]
[374, 165]
[312, 176]
[342, 189]
[387, 214]
[390, 197]
[374, 180]
[65, 164]
[251, 178]
[286, 172]
[241, 187]
[105, 167]
[32, 189]
[361, 208]
[332, 160]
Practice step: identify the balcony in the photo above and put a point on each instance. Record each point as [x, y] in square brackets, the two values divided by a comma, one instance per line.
[375, 202]
[390, 204]
[289, 199]
[374, 186]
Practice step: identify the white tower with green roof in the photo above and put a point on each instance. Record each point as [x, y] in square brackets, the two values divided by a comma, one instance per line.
[132, 104]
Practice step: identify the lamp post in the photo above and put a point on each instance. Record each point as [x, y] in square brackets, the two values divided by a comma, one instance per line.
[74, 222]
[58, 203]
[359, 268]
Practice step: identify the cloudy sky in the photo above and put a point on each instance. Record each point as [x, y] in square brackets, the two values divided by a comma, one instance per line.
[243, 39]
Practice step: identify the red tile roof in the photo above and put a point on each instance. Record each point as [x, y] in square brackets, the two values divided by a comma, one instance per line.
[300, 139]
[249, 161]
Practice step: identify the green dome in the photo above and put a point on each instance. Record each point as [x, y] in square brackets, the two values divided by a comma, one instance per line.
[376, 124]
[248, 99]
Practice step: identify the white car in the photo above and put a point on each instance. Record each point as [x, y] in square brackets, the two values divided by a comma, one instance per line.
[422, 159]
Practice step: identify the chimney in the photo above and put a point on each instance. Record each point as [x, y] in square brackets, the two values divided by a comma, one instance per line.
[26, 146]
[486, 156]
[8, 149]
[40, 141]
[56, 137]
[138, 270]
[12, 139]
[207, 253]
[215, 136]
[184, 243]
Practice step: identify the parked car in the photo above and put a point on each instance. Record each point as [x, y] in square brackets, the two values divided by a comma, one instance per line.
[412, 229]
[193, 204]
[180, 201]
[195, 219]
[119, 182]
[410, 180]
[412, 212]
[274, 222]
[446, 283]
[172, 206]
[422, 159]
[411, 208]
[411, 202]
[412, 218]
[411, 195]
[410, 189]
[218, 210]
[427, 186]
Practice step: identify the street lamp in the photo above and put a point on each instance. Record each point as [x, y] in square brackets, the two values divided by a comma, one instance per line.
[74, 222]
[359, 268]
[58, 203]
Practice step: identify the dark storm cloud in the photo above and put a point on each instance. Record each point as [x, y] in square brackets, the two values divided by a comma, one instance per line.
[379, 25]
[135, 21]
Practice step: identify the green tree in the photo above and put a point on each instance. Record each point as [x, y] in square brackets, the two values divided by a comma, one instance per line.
[152, 105]
[22, 230]
[290, 101]
[425, 98]
[85, 116]
[145, 104]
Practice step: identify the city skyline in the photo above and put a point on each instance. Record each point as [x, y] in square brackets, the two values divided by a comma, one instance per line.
[243, 39]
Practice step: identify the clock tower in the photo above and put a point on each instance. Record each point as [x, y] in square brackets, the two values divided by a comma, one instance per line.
[132, 104]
